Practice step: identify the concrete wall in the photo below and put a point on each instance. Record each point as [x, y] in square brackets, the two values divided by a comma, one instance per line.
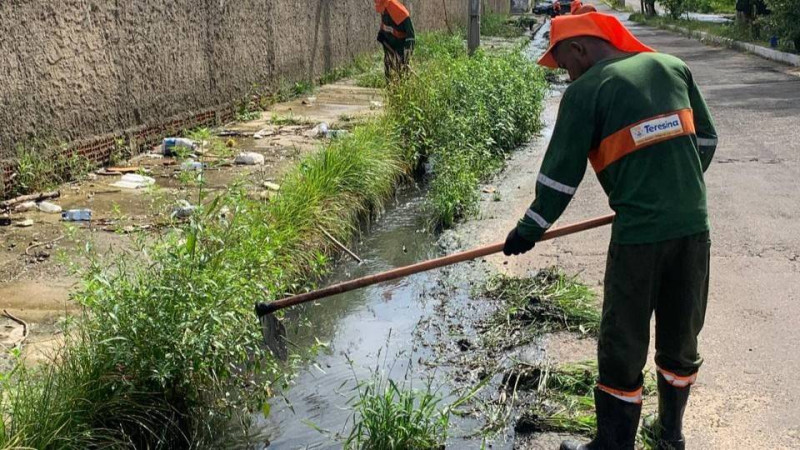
[96, 70]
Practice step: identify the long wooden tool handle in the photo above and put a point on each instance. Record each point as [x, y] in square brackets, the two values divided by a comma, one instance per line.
[400, 272]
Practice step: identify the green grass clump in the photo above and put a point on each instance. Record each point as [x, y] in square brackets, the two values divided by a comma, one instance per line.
[391, 416]
[548, 301]
[464, 115]
[500, 25]
[44, 166]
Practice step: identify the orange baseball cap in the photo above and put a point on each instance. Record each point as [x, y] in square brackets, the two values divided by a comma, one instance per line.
[596, 24]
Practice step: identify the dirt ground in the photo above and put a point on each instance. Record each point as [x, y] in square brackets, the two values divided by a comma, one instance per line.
[747, 391]
[35, 278]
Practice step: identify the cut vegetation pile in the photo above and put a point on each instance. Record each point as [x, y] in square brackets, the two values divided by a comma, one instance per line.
[167, 353]
[546, 302]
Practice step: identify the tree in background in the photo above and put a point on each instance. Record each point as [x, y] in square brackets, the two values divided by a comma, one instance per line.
[784, 20]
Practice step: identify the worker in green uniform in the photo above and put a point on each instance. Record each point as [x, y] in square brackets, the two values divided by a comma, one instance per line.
[640, 119]
[396, 35]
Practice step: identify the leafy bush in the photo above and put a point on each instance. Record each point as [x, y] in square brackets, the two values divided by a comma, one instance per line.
[785, 20]
[463, 115]
[494, 24]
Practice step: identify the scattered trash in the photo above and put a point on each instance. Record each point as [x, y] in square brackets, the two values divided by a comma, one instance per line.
[5, 221]
[375, 105]
[24, 223]
[50, 208]
[5, 204]
[193, 165]
[321, 129]
[309, 101]
[77, 215]
[183, 210]
[489, 190]
[261, 134]
[91, 176]
[123, 170]
[334, 134]
[230, 143]
[272, 186]
[134, 181]
[25, 207]
[170, 145]
[250, 159]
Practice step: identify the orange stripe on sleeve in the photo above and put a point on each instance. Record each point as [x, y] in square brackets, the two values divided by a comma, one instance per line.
[640, 135]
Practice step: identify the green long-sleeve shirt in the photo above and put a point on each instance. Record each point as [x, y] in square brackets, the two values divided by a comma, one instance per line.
[397, 30]
[642, 122]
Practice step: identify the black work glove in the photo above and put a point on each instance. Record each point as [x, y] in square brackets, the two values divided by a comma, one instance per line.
[516, 244]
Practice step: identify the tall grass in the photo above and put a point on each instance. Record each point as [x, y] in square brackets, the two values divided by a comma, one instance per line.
[391, 416]
[500, 25]
[463, 115]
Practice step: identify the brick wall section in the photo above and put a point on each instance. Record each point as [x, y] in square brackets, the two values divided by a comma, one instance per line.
[90, 72]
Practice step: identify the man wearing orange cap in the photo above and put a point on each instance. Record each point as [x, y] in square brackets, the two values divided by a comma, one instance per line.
[641, 121]
[396, 35]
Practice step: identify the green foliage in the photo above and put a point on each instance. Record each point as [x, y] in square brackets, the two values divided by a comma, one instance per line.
[44, 166]
[391, 416]
[463, 115]
[713, 6]
[785, 21]
[675, 7]
[500, 25]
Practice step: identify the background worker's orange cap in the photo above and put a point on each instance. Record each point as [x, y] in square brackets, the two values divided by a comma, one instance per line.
[595, 24]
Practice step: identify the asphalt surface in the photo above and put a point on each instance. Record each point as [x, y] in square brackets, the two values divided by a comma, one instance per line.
[748, 390]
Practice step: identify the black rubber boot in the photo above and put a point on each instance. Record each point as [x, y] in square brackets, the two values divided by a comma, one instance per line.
[617, 422]
[671, 405]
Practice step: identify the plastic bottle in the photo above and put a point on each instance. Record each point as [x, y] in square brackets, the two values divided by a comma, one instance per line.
[169, 145]
[77, 215]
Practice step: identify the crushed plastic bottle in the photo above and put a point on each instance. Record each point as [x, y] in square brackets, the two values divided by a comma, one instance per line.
[77, 215]
[193, 165]
[169, 145]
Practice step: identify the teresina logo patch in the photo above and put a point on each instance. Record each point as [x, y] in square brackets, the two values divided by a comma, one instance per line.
[657, 129]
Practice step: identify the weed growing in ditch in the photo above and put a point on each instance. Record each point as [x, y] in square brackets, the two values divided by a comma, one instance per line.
[548, 301]
[463, 115]
[392, 416]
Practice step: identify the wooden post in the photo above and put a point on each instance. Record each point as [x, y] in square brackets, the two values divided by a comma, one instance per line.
[474, 30]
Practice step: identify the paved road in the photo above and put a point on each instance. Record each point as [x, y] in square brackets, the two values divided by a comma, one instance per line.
[748, 391]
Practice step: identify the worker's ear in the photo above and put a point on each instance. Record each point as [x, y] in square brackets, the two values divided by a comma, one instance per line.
[578, 48]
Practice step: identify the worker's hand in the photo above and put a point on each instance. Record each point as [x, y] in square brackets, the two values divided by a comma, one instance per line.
[516, 244]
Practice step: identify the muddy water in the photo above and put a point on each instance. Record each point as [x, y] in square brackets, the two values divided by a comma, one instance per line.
[368, 326]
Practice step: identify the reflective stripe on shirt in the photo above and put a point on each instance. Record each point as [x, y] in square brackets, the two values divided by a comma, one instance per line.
[706, 142]
[533, 215]
[555, 185]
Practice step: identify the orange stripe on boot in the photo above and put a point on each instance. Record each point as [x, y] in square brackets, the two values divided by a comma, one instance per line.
[625, 396]
[676, 380]
[640, 135]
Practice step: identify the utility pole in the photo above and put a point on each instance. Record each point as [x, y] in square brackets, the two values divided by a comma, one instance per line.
[474, 33]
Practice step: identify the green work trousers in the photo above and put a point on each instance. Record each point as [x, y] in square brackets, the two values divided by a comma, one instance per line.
[669, 278]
